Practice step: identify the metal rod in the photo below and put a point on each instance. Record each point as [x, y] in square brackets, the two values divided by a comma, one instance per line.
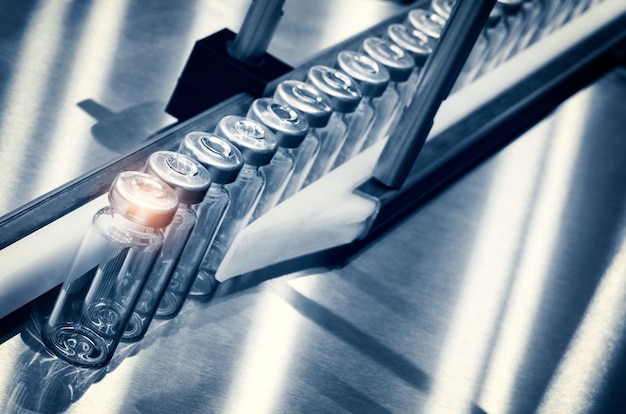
[256, 31]
[440, 72]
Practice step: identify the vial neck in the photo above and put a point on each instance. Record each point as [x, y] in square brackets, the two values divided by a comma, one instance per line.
[133, 225]
[249, 169]
[341, 116]
[217, 187]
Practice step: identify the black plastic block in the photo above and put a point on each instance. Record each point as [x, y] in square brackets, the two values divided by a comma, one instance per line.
[211, 75]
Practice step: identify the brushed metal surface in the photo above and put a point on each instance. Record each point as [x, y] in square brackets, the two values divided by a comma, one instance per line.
[506, 293]
[83, 82]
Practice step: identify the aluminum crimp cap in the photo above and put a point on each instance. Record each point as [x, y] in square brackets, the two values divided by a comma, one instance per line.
[509, 6]
[416, 43]
[343, 91]
[494, 17]
[219, 156]
[372, 77]
[306, 99]
[255, 141]
[431, 24]
[143, 199]
[398, 63]
[289, 127]
[187, 177]
[443, 7]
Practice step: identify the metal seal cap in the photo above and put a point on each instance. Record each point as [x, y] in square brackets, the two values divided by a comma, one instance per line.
[494, 17]
[431, 24]
[255, 141]
[398, 62]
[219, 156]
[343, 91]
[143, 199]
[288, 126]
[509, 6]
[372, 77]
[306, 99]
[443, 7]
[416, 43]
[187, 177]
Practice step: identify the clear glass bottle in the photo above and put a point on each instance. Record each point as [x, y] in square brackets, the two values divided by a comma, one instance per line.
[427, 22]
[501, 34]
[257, 145]
[419, 46]
[539, 17]
[399, 64]
[290, 129]
[190, 180]
[372, 79]
[517, 14]
[223, 161]
[481, 49]
[109, 270]
[345, 96]
[559, 15]
[316, 107]
[442, 7]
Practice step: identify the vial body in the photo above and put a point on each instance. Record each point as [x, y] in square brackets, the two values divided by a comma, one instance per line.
[245, 193]
[100, 291]
[498, 37]
[345, 96]
[304, 159]
[316, 108]
[176, 236]
[387, 107]
[290, 129]
[277, 174]
[408, 88]
[360, 122]
[516, 23]
[331, 137]
[210, 214]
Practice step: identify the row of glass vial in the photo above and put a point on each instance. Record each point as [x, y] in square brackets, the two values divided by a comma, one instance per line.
[513, 26]
[166, 229]
[163, 226]
[125, 274]
[365, 90]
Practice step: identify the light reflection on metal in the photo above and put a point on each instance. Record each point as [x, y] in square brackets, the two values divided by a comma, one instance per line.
[27, 90]
[475, 318]
[96, 48]
[9, 357]
[342, 19]
[26, 96]
[537, 252]
[261, 370]
[595, 345]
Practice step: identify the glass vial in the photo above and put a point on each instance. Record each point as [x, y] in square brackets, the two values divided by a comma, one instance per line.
[442, 7]
[516, 14]
[316, 107]
[257, 145]
[503, 33]
[109, 270]
[427, 22]
[478, 56]
[416, 44]
[190, 180]
[345, 96]
[399, 64]
[289, 128]
[372, 79]
[223, 161]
